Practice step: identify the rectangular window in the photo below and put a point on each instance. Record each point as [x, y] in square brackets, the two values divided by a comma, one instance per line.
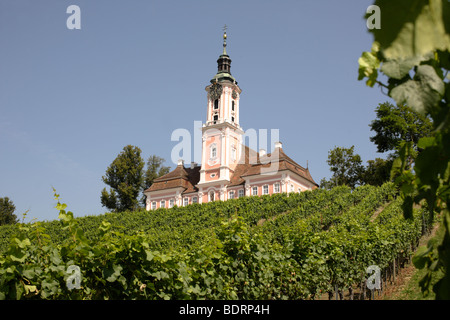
[241, 193]
[185, 201]
[266, 189]
[255, 191]
[162, 204]
[276, 188]
[194, 200]
[171, 202]
[153, 205]
[231, 195]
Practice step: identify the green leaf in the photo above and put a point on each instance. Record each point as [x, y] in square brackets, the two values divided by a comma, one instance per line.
[368, 66]
[24, 243]
[421, 94]
[149, 255]
[29, 273]
[111, 274]
[60, 206]
[399, 68]
[412, 28]
[19, 257]
[421, 258]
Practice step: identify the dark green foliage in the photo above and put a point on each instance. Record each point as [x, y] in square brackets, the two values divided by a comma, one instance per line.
[7, 209]
[125, 178]
[398, 123]
[377, 171]
[346, 167]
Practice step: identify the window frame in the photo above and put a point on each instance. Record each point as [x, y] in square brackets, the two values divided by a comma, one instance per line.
[213, 151]
[276, 187]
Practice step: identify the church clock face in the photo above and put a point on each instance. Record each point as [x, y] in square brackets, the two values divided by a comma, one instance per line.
[216, 91]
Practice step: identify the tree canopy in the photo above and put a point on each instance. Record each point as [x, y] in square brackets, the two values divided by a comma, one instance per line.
[397, 123]
[125, 178]
[7, 209]
[346, 167]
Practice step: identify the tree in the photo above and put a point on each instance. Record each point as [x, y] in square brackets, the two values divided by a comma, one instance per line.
[395, 124]
[7, 209]
[377, 171]
[125, 178]
[155, 169]
[346, 167]
[412, 50]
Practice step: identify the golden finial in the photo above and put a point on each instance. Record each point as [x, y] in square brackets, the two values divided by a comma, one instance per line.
[224, 39]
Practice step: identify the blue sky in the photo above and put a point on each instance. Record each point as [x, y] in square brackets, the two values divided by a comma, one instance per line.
[70, 100]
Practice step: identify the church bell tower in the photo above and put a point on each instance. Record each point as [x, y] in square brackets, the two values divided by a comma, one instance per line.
[221, 134]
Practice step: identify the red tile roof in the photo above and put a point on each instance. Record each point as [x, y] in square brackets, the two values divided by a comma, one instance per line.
[188, 178]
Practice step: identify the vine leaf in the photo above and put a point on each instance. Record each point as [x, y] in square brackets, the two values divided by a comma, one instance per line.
[399, 68]
[422, 93]
[368, 65]
[416, 27]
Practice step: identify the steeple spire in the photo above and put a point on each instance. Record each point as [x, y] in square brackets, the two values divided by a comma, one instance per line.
[224, 63]
[224, 40]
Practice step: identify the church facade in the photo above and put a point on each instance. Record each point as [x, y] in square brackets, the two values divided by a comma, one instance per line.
[229, 169]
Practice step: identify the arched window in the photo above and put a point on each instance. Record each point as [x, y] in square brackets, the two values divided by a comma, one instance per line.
[232, 105]
[216, 104]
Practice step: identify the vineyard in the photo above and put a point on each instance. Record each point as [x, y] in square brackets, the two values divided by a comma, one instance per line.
[284, 246]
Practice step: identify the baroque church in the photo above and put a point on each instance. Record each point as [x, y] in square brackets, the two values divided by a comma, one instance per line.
[229, 169]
